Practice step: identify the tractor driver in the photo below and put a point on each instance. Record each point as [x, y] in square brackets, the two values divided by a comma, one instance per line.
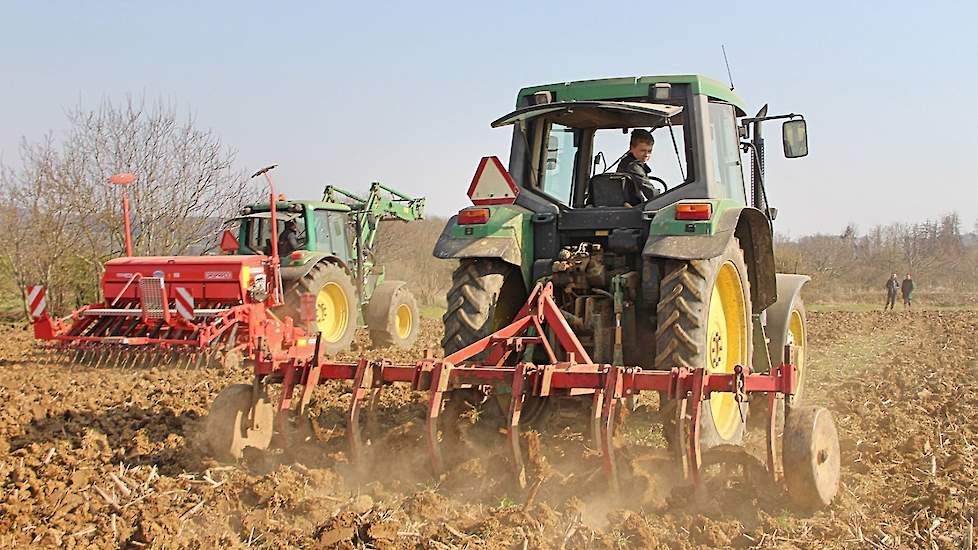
[288, 241]
[633, 163]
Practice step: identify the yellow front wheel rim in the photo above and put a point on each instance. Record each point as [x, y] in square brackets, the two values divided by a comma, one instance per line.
[796, 337]
[332, 312]
[726, 343]
[403, 321]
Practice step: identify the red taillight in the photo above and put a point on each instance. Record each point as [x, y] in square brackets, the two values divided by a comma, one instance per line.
[694, 211]
[471, 216]
[297, 255]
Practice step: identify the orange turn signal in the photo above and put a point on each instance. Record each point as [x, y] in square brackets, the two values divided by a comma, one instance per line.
[694, 211]
[471, 216]
[297, 255]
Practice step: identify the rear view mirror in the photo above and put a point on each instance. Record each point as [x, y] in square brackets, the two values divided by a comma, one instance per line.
[794, 134]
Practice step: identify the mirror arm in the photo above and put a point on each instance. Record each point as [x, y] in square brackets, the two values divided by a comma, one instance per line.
[746, 121]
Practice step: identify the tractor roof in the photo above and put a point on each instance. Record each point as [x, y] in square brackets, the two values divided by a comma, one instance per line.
[319, 205]
[634, 87]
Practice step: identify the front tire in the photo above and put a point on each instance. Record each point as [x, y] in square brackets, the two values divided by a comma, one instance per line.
[704, 320]
[392, 316]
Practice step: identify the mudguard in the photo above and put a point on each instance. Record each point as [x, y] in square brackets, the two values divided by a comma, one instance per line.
[506, 248]
[505, 236]
[789, 288]
[707, 239]
[292, 273]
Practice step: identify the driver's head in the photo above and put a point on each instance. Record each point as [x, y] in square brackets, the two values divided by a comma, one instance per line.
[640, 145]
[291, 225]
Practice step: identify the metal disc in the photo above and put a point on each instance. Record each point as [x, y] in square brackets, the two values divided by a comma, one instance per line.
[811, 456]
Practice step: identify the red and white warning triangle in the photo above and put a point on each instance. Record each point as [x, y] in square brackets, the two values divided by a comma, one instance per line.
[492, 184]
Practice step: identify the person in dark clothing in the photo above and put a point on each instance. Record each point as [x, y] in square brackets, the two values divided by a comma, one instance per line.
[906, 288]
[288, 241]
[892, 286]
[634, 164]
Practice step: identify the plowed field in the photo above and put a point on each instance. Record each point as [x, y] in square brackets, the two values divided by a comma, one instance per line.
[107, 457]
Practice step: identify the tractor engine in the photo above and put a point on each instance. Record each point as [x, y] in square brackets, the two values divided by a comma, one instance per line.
[599, 292]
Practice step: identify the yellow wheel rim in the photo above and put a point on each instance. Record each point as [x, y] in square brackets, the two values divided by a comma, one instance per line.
[403, 321]
[726, 343]
[332, 312]
[796, 337]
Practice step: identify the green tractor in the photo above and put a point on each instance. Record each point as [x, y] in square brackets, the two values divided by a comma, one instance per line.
[676, 272]
[332, 260]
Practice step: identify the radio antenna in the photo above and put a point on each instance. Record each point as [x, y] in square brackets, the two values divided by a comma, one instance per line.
[727, 63]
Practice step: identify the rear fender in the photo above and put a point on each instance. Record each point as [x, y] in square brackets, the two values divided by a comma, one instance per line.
[789, 289]
[505, 236]
[292, 273]
[701, 240]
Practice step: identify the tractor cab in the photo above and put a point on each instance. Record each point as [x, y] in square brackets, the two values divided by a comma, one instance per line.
[569, 142]
[578, 150]
[320, 228]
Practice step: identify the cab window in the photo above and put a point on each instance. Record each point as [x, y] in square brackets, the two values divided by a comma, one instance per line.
[726, 153]
[559, 161]
[260, 233]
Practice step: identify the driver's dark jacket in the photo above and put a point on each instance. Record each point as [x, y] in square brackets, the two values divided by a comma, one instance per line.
[288, 242]
[633, 167]
[638, 172]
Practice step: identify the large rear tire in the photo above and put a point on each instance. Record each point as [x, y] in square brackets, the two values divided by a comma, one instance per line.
[486, 295]
[704, 320]
[336, 304]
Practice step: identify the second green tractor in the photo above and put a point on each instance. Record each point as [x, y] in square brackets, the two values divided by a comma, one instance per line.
[334, 263]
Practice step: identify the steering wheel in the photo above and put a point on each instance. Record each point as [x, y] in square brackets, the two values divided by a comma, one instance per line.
[661, 181]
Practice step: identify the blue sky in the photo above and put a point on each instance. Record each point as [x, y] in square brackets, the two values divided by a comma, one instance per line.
[404, 93]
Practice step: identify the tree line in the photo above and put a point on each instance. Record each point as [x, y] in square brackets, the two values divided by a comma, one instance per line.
[940, 254]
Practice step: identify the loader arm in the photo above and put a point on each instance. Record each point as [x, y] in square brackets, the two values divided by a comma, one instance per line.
[382, 203]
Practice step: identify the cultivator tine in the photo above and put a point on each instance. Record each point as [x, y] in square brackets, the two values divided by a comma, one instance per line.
[513, 430]
[362, 380]
[771, 433]
[439, 385]
[612, 391]
[100, 357]
[597, 402]
[695, 456]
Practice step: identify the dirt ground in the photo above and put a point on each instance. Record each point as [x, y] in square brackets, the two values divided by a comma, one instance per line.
[113, 457]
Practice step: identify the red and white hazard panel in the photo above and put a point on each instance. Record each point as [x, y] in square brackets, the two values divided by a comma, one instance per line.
[36, 301]
[492, 184]
[184, 302]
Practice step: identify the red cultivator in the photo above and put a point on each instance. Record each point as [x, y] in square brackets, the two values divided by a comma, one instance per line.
[810, 450]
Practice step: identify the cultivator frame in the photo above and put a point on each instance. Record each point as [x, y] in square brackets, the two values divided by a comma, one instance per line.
[606, 385]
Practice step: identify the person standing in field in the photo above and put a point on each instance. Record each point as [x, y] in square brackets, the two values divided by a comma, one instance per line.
[892, 286]
[906, 287]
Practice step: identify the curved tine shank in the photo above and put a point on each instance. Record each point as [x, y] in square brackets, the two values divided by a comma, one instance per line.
[513, 429]
[361, 385]
[612, 386]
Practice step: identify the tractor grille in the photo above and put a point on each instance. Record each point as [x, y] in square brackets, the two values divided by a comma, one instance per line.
[151, 297]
